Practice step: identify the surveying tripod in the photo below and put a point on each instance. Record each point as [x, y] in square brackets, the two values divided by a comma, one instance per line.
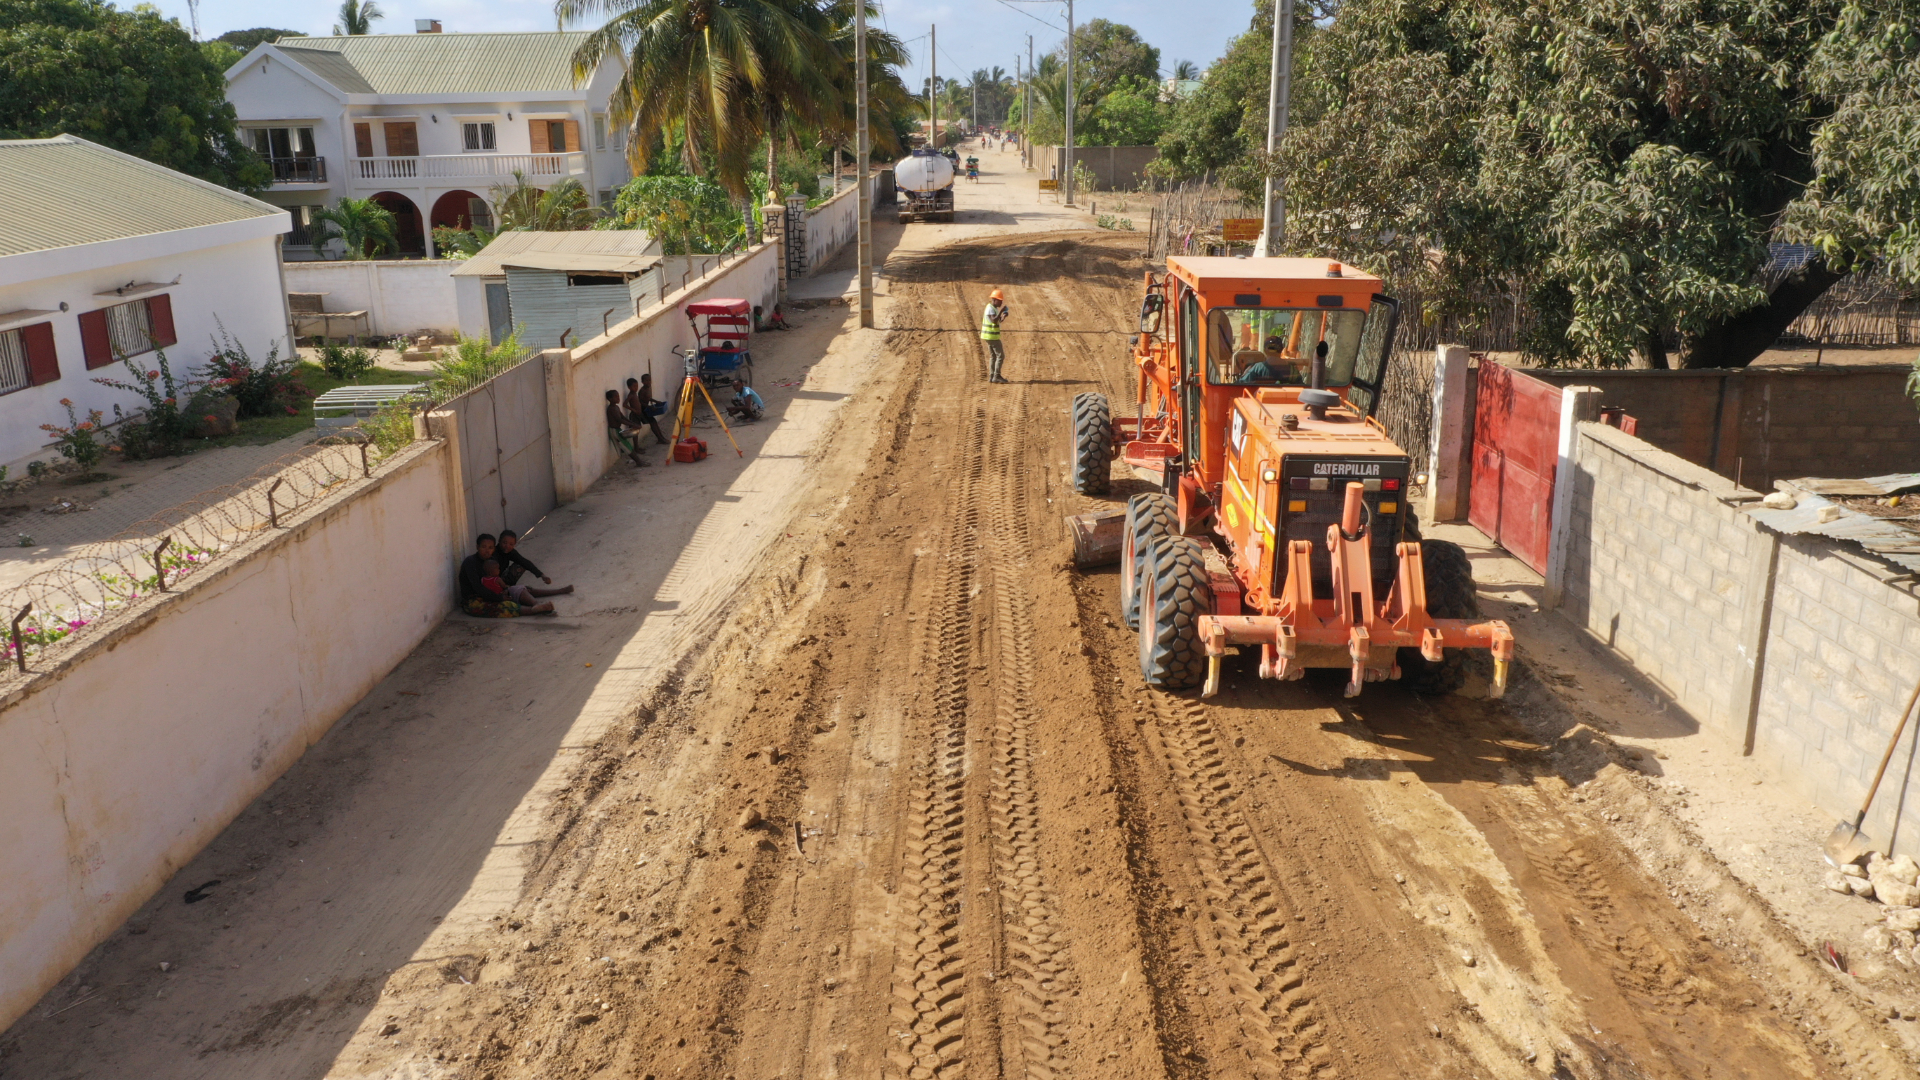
[683, 416]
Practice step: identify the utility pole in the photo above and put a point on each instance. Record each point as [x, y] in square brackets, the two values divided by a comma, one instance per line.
[1279, 87]
[1068, 179]
[933, 87]
[1026, 112]
[864, 151]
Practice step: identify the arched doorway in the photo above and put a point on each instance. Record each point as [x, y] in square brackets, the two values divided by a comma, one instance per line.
[411, 237]
[454, 210]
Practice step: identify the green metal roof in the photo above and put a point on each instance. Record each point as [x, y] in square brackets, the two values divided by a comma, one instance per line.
[440, 63]
[66, 191]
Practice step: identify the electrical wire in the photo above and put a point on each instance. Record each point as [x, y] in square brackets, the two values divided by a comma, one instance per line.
[1010, 4]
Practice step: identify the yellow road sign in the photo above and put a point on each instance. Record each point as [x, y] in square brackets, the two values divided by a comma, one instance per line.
[1240, 230]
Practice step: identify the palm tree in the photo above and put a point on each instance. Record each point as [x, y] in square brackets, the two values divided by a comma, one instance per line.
[887, 96]
[357, 16]
[701, 68]
[1186, 71]
[363, 225]
[562, 208]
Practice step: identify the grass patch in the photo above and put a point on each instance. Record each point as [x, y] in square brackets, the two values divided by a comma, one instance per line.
[255, 431]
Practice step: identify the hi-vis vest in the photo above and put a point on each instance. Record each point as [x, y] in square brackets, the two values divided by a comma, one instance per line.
[989, 325]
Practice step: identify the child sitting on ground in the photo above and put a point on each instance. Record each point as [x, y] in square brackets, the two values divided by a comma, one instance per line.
[491, 583]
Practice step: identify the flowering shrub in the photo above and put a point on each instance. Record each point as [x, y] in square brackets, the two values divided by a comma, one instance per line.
[120, 589]
[163, 429]
[79, 441]
[263, 389]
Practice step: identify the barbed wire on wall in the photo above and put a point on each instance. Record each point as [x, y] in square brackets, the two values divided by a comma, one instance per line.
[60, 608]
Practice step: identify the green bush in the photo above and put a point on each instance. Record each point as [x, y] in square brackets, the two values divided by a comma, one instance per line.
[473, 362]
[168, 421]
[390, 427]
[269, 388]
[345, 362]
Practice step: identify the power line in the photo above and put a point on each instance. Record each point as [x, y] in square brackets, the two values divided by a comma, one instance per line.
[1030, 15]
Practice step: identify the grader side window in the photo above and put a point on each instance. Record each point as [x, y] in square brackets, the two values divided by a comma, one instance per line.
[1240, 339]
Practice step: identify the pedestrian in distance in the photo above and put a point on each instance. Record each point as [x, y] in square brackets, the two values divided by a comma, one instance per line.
[996, 313]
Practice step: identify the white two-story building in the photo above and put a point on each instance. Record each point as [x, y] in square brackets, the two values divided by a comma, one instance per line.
[425, 124]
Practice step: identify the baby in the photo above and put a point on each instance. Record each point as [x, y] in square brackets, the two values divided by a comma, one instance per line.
[491, 581]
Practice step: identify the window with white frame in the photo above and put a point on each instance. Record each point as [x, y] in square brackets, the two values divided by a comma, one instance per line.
[15, 374]
[477, 137]
[130, 328]
[599, 131]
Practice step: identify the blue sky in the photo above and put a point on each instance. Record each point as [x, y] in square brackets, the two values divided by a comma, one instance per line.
[973, 33]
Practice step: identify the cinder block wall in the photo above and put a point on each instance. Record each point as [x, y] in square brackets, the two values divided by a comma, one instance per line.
[1801, 648]
[1659, 569]
[1767, 424]
[1842, 654]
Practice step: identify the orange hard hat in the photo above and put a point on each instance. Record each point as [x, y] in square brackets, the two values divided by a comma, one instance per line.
[996, 295]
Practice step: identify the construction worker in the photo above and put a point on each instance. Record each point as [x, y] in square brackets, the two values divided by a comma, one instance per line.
[990, 321]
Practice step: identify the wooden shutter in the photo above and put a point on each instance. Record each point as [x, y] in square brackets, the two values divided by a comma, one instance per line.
[42, 365]
[363, 140]
[537, 131]
[160, 317]
[403, 140]
[96, 346]
[573, 136]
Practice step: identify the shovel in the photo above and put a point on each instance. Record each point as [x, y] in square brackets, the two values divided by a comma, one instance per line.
[1845, 844]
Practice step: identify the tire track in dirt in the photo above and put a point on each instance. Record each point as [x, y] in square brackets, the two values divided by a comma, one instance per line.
[1036, 944]
[929, 980]
[1245, 912]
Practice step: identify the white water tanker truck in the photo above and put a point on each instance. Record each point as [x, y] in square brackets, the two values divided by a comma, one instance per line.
[924, 180]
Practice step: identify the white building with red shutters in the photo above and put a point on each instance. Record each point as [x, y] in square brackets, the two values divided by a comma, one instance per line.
[425, 124]
[105, 257]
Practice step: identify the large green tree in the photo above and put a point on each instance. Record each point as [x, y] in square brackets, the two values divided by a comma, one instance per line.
[131, 80]
[1618, 164]
[1864, 202]
[245, 40]
[1105, 52]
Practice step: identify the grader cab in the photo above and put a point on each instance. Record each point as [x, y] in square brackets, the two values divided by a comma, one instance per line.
[1282, 520]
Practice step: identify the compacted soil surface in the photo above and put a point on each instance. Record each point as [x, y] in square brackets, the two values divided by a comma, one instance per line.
[911, 812]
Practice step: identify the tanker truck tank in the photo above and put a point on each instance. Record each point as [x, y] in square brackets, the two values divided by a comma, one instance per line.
[924, 180]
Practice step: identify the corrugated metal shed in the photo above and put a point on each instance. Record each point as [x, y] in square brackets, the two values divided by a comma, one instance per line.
[66, 191]
[626, 243]
[545, 307]
[1815, 514]
[442, 63]
[620, 264]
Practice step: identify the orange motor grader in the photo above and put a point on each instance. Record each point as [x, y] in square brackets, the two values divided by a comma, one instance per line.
[1282, 520]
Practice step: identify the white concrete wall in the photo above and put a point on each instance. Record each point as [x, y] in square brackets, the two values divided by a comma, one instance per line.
[635, 346]
[236, 283]
[833, 225]
[470, 304]
[399, 296]
[129, 757]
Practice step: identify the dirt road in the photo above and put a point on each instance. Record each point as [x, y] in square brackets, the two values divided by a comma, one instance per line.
[913, 814]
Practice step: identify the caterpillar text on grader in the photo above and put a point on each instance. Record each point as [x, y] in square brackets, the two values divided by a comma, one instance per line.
[1282, 520]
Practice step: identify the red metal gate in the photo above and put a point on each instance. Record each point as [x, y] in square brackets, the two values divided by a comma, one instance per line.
[1516, 439]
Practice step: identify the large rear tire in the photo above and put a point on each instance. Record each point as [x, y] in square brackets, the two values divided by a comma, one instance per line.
[1174, 592]
[1450, 595]
[1150, 516]
[1092, 443]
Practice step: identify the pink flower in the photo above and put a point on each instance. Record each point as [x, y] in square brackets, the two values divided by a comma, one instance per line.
[169, 401]
[153, 374]
[66, 401]
[86, 425]
[291, 411]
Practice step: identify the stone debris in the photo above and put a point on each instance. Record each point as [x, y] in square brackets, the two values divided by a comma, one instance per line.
[1903, 918]
[1836, 881]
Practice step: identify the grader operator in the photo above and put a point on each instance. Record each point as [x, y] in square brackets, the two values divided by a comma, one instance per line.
[1282, 521]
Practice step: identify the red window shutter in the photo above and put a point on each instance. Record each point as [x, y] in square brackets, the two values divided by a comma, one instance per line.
[95, 345]
[160, 312]
[42, 365]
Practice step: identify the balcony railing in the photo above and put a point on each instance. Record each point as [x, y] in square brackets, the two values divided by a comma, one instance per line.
[298, 170]
[458, 166]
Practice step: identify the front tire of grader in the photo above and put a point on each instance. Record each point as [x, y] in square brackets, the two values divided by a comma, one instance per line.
[1450, 595]
[1174, 592]
[1150, 516]
[1092, 444]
